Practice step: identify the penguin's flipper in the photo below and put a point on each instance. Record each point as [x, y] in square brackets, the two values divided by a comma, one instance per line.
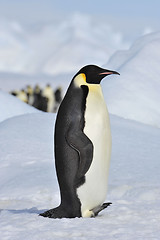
[83, 145]
[96, 210]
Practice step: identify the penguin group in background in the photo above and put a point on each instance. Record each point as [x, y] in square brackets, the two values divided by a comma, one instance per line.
[82, 146]
[44, 99]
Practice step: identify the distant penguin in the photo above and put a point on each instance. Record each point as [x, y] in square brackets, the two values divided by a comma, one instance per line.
[58, 98]
[48, 93]
[22, 96]
[29, 91]
[43, 104]
[37, 97]
[82, 146]
[58, 95]
[14, 93]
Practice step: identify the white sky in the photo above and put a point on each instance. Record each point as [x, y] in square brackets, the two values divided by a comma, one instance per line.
[27, 10]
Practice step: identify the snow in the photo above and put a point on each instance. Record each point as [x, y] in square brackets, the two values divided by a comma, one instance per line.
[59, 47]
[7, 106]
[16, 81]
[28, 183]
[137, 88]
[29, 186]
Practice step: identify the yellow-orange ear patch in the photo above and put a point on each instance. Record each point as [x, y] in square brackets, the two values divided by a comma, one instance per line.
[80, 79]
[84, 76]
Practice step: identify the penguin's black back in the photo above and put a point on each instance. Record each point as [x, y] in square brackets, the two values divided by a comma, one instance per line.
[70, 116]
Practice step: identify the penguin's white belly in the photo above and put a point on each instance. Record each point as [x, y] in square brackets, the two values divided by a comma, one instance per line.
[97, 128]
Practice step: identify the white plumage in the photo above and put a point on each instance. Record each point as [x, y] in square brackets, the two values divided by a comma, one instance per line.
[97, 128]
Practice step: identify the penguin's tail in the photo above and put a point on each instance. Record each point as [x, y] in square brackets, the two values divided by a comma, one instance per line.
[98, 209]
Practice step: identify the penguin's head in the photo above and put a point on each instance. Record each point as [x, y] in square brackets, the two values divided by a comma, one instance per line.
[93, 74]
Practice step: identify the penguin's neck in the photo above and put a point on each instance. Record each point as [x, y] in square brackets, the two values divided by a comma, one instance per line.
[93, 88]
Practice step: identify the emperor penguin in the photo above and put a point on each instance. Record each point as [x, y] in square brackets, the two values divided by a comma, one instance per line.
[82, 146]
[22, 96]
[58, 98]
[29, 92]
[37, 97]
[49, 94]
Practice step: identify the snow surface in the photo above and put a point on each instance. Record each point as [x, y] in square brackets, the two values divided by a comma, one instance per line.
[29, 186]
[8, 104]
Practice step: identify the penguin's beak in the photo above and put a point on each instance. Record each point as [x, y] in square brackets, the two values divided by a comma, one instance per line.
[108, 72]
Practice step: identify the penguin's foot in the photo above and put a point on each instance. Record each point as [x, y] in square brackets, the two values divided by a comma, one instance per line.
[98, 209]
[50, 214]
[60, 212]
